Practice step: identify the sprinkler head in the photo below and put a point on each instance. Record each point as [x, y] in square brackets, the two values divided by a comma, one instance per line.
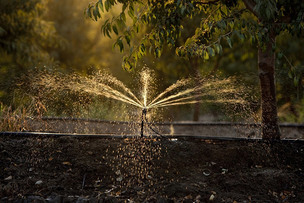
[143, 115]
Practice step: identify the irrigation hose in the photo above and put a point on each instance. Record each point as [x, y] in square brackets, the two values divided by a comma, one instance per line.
[151, 128]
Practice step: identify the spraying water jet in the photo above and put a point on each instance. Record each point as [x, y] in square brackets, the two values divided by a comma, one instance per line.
[182, 92]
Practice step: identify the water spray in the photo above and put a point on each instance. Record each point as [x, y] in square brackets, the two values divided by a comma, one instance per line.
[180, 93]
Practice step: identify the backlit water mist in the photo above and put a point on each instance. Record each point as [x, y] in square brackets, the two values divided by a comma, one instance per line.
[184, 91]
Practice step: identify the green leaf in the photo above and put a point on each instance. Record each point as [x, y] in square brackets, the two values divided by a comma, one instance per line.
[131, 12]
[96, 13]
[115, 29]
[144, 18]
[137, 28]
[241, 36]
[120, 44]
[127, 39]
[231, 24]
[183, 10]
[104, 27]
[229, 41]
[101, 5]
[108, 33]
[97, 10]
[89, 13]
[289, 74]
[124, 7]
[121, 24]
[295, 81]
[280, 55]
[112, 2]
[180, 52]
[224, 10]
[109, 27]
[222, 24]
[157, 52]
[142, 49]
[218, 48]
[107, 5]
[123, 16]
[206, 55]
[126, 64]
[211, 51]
[188, 41]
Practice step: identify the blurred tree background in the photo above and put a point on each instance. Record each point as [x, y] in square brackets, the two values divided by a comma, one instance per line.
[54, 35]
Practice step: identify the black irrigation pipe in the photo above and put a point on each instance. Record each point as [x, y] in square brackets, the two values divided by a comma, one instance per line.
[182, 137]
[166, 123]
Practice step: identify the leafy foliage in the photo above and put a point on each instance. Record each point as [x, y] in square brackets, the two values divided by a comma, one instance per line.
[42, 34]
[24, 35]
[25, 38]
[221, 23]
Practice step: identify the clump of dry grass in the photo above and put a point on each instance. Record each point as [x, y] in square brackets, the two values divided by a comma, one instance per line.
[13, 120]
[17, 119]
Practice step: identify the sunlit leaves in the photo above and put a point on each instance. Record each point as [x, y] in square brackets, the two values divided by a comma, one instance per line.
[115, 29]
[119, 42]
[218, 48]
[96, 13]
[100, 4]
[93, 11]
[205, 55]
[210, 51]
[131, 11]
[26, 40]
[128, 40]
[228, 41]
[107, 28]
[89, 12]
[157, 52]
[224, 10]
[123, 17]
[222, 22]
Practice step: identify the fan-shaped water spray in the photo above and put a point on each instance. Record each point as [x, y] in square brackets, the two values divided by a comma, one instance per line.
[184, 91]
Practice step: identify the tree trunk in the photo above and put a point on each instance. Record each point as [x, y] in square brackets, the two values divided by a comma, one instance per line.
[266, 63]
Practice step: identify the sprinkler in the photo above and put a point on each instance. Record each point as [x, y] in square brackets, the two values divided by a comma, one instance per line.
[143, 120]
[143, 116]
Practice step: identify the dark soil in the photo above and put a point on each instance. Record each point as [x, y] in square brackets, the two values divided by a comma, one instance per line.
[67, 169]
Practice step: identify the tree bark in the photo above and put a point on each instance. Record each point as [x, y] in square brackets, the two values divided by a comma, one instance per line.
[266, 62]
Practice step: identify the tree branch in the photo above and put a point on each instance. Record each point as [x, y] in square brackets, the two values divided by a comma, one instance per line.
[206, 2]
[250, 4]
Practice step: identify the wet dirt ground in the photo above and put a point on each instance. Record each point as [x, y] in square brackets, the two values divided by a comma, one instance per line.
[69, 169]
